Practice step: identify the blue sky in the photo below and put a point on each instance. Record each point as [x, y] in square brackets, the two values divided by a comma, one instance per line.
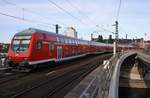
[134, 18]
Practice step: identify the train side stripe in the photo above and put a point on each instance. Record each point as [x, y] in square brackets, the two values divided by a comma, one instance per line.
[41, 61]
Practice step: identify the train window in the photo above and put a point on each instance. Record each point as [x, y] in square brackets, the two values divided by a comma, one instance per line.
[39, 45]
[51, 46]
[71, 41]
[65, 40]
[68, 41]
[77, 41]
[62, 40]
[57, 39]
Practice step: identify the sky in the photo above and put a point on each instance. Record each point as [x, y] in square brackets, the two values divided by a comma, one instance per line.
[86, 16]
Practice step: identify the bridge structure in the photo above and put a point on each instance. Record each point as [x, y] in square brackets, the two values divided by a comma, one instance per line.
[104, 82]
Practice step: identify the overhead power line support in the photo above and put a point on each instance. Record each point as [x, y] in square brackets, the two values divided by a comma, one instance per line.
[116, 38]
[57, 28]
[116, 26]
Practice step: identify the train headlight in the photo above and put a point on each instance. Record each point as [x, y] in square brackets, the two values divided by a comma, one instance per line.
[25, 59]
[9, 58]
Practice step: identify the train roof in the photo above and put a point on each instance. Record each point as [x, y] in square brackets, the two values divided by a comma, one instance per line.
[29, 31]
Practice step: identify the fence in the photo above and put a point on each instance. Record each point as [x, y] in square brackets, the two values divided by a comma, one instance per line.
[99, 85]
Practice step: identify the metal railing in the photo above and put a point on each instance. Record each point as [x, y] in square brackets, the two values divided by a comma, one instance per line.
[114, 83]
[105, 83]
[99, 85]
[105, 77]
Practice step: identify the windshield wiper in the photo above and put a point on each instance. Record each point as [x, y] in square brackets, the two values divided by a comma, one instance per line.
[18, 49]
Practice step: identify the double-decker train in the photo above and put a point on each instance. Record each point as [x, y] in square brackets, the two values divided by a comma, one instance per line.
[32, 47]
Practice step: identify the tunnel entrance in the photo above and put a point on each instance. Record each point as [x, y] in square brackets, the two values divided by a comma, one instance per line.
[134, 79]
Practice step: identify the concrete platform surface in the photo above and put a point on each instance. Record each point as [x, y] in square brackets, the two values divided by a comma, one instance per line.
[83, 85]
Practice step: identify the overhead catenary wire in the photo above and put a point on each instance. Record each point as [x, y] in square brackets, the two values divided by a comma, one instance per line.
[118, 10]
[64, 10]
[26, 20]
[30, 11]
[67, 12]
[76, 8]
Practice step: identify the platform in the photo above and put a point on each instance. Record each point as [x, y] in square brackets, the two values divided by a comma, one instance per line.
[88, 84]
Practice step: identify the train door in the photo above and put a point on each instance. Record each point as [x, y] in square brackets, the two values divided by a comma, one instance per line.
[59, 52]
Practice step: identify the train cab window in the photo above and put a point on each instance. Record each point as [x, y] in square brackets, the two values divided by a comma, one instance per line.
[39, 45]
[21, 43]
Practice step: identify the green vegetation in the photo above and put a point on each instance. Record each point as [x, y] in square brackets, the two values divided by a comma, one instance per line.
[4, 48]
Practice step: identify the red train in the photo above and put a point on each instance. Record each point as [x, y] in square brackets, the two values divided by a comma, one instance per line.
[31, 47]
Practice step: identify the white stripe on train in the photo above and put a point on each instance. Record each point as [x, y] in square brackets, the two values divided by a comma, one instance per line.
[59, 59]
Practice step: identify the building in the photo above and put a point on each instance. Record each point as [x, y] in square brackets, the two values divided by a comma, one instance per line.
[71, 32]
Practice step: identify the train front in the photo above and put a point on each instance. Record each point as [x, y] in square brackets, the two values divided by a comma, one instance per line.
[19, 50]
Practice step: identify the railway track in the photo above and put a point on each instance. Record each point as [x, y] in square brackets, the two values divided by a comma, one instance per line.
[8, 76]
[11, 76]
[51, 81]
[60, 80]
[76, 77]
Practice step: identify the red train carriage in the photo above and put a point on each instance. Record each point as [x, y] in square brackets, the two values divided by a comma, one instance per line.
[31, 47]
